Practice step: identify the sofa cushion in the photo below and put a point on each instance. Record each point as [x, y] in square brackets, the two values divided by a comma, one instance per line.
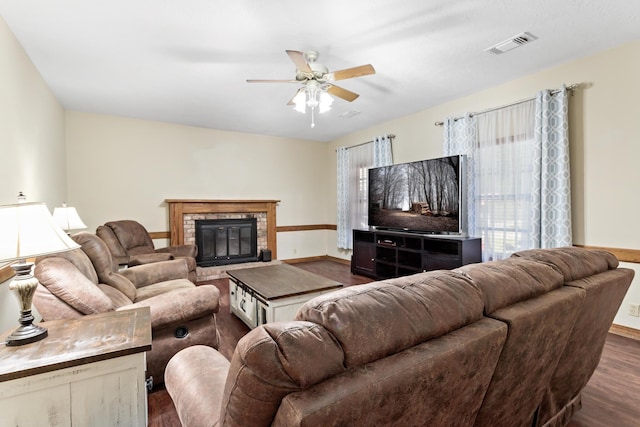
[118, 298]
[574, 263]
[78, 258]
[132, 236]
[162, 288]
[117, 251]
[272, 361]
[66, 282]
[378, 319]
[100, 257]
[511, 280]
[440, 382]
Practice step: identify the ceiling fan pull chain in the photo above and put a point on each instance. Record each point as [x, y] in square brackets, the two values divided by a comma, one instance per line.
[313, 117]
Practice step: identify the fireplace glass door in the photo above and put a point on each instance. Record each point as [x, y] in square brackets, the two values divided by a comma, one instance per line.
[226, 241]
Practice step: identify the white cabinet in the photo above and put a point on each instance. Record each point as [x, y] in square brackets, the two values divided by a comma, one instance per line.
[77, 378]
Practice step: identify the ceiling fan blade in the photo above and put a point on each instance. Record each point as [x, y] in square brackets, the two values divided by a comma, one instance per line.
[271, 81]
[345, 94]
[348, 73]
[298, 59]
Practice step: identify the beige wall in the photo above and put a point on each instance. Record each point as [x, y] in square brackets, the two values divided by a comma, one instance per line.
[31, 143]
[605, 146]
[125, 168]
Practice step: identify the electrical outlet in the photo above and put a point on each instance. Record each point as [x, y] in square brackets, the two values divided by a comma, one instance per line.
[634, 310]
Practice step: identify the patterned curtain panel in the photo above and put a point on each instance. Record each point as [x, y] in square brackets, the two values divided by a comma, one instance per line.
[461, 137]
[382, 155]
[551, 207]
[353, 190]
[343, 227]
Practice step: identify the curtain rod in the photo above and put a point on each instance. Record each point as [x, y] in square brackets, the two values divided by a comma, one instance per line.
[390, 136]
[570, 88]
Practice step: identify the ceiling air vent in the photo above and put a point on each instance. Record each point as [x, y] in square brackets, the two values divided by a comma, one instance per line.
[349, 114]
[512, 43]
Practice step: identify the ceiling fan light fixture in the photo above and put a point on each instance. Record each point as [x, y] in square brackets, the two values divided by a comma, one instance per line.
[325, 102]
[300, 101]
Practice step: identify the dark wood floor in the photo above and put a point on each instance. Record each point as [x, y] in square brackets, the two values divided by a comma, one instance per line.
[611, 398]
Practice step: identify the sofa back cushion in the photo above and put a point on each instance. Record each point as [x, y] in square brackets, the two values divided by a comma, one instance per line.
[63, 280]
[378, 319]
[96, 250]
[574, 263]
[272, 361]
[440, 382]
[511, 280]
[79, 259]
[109, 238]
[132, 235]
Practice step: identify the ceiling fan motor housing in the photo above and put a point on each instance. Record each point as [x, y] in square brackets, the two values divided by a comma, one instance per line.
[318, 71]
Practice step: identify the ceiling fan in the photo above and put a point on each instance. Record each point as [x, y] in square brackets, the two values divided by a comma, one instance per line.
[317, 80]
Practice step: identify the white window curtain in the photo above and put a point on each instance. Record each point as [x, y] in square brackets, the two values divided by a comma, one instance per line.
[518, 172]
[353, 172]
[504, 180]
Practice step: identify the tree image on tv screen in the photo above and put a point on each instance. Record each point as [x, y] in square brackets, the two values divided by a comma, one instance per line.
[416, 196]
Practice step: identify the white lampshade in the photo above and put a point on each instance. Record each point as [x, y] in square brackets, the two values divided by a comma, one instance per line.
[67, 218]
[300, 101]
[28, 230]
[325, 102]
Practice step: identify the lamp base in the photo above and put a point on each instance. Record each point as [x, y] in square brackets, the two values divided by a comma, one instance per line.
[26, 334]
[24, 284]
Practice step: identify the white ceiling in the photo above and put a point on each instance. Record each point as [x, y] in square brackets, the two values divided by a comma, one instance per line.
[186, 61]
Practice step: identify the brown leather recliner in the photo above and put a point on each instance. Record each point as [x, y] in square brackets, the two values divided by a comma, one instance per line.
[83, 281]
[130, 243]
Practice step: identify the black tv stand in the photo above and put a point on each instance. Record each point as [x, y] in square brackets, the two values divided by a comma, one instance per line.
[384, 254]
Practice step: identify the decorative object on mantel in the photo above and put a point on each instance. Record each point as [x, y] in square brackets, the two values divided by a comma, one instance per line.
[317, 82]
[67, 218]
[28, 230]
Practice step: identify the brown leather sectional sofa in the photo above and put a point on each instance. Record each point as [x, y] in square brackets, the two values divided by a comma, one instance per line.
[505, 343]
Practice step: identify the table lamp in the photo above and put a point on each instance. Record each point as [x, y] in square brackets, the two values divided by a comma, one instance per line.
[67, 218]
[28, 230]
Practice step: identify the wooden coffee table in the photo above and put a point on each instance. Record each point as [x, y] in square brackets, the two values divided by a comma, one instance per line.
[273, 293]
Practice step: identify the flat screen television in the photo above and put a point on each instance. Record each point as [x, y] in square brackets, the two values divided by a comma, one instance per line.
[426, 196]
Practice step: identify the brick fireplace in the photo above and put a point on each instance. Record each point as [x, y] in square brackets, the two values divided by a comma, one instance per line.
[183, 214]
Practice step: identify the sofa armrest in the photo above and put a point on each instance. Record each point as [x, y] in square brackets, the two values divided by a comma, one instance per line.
[141, 259]
[195, 379]
[147, 274]
[180, 250]
[180, 306]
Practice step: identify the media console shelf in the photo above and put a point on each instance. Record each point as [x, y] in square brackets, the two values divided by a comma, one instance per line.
[385, 254]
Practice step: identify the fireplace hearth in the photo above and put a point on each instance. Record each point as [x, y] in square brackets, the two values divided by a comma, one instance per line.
[226, 241]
